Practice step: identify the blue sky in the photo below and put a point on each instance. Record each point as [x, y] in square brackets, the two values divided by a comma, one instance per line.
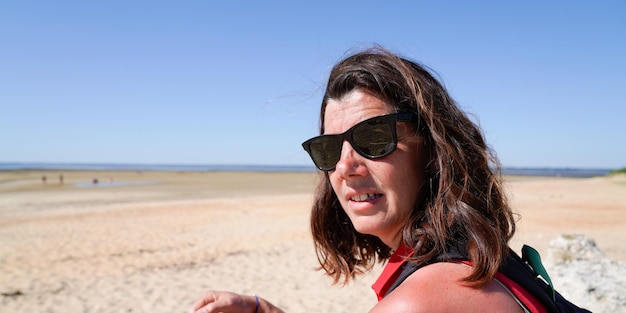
[240, 82]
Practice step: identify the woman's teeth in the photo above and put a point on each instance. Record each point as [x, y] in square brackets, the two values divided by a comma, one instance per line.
[365, 197]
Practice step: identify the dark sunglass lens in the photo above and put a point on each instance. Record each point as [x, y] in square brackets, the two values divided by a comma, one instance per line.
[374, 138]
[325, 151]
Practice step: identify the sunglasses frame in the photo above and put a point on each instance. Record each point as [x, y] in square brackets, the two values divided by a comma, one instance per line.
[406, 117]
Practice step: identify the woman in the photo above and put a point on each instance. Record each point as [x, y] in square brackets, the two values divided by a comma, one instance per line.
[408, 180]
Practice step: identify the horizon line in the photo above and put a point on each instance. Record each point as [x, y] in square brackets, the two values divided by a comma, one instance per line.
[19, 165]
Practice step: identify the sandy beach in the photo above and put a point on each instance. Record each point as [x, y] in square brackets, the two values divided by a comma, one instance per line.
[154, 241]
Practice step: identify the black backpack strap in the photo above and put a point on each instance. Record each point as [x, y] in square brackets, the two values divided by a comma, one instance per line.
[408, 268]
[525, 273]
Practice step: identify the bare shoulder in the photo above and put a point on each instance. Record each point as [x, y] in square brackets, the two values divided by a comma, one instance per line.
[438, 288]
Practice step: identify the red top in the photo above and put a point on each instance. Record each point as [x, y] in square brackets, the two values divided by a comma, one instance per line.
[391, 271]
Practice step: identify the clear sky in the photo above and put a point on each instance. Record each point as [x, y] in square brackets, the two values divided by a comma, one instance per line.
[240, 82]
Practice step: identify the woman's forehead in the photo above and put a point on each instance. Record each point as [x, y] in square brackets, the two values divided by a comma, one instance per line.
[354, 107]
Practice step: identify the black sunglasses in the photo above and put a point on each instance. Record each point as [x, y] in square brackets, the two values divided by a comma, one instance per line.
[373, 138]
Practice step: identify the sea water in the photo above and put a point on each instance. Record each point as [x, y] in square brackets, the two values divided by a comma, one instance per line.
[526, 171]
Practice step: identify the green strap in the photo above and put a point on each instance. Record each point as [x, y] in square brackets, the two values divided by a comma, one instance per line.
[530, 255]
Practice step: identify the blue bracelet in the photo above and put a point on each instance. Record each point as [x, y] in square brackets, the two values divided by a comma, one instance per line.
[256, 309]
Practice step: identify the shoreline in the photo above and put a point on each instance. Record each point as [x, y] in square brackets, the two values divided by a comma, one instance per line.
[47, 166]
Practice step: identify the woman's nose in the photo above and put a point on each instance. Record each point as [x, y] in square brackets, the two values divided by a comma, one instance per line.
[350, 162]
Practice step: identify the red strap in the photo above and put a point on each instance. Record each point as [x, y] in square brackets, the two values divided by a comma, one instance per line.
[520, 293]
[391, 271]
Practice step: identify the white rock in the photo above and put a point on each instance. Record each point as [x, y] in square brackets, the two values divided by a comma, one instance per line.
[584, 275]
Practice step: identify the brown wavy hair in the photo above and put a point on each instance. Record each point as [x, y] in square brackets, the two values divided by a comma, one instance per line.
[464, 200]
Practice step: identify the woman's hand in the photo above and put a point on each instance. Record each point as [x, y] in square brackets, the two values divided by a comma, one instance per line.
[229, 302]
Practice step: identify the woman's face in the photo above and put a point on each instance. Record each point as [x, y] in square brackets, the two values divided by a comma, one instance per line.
[377, 195]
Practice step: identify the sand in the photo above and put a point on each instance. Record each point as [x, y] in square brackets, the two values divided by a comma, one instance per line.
[154, 241]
